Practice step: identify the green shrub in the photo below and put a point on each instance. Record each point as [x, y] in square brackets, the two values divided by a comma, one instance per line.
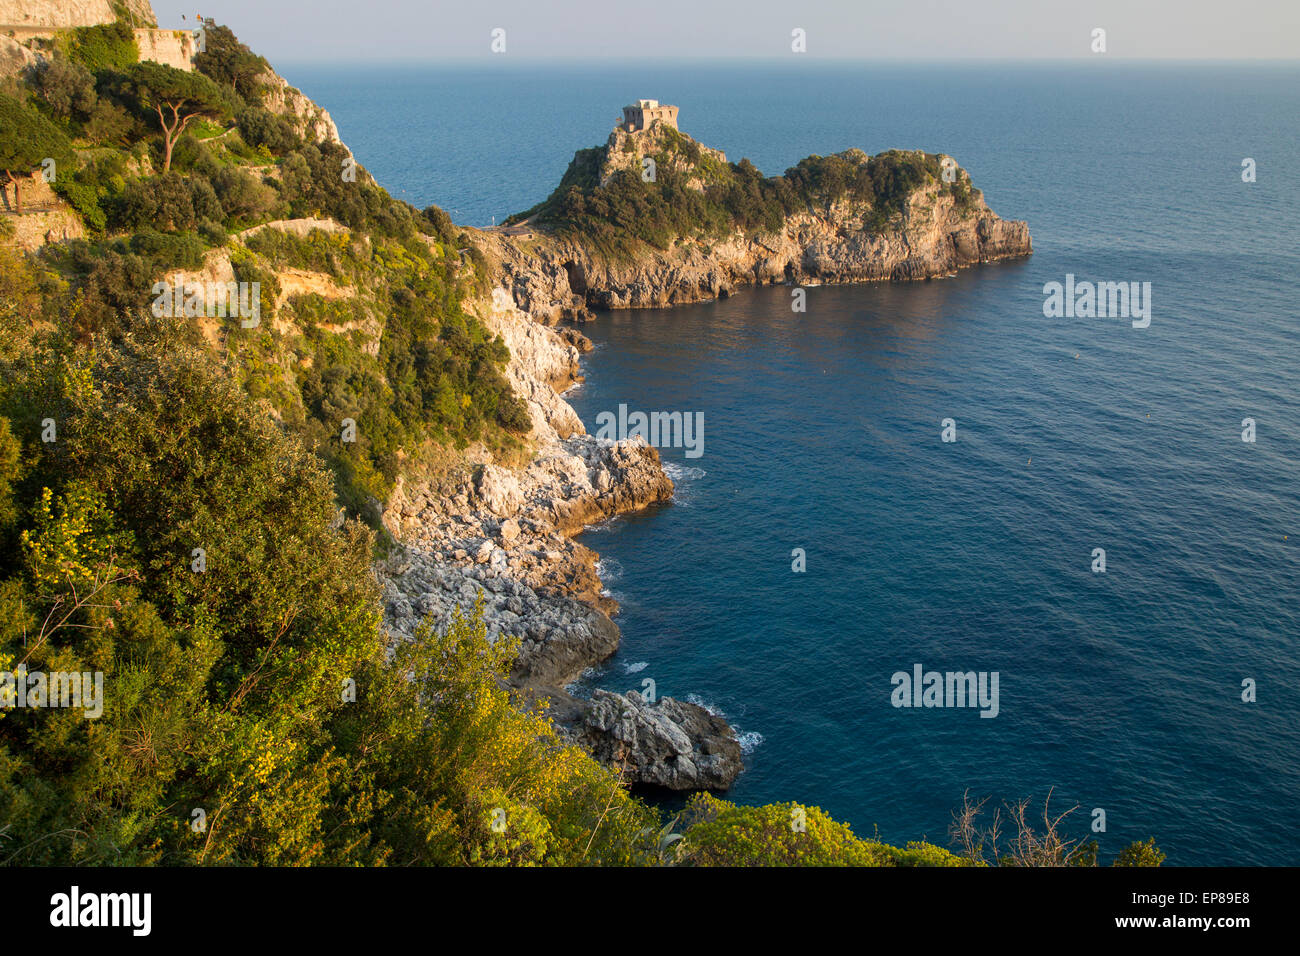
[1140, 853]
[231, 63]
[719, 833]
[86, 199]
[192, 155]
[243, 197]
[440, 225]
[93, 188]
[110, 124]
[112, 284]
[108, 46]
[248, 269]
[261, 127]
[67, 86]
[171, 202]
[169, 250]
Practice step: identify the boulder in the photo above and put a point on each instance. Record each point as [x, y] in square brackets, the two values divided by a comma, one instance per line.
[669, 743]
[15, 59]
[498, 491]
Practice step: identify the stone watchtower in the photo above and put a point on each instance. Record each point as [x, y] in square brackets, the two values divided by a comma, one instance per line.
[645, 113]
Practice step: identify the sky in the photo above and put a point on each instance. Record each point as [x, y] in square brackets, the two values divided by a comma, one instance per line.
[433, 31]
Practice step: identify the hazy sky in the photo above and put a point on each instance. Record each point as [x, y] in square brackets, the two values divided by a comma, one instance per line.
[437, 30]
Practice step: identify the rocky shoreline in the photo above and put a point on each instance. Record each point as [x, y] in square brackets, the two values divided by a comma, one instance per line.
[505, 536]
[560, 280]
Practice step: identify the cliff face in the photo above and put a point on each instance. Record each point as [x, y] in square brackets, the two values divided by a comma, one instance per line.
[506, 532]
[309, 120]
[61, 14]
[554, 276]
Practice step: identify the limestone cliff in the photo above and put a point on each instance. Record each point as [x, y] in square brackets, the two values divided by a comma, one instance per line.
[310, 121]
[35, 15]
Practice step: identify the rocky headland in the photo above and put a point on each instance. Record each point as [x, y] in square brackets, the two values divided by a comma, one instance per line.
[940, 228]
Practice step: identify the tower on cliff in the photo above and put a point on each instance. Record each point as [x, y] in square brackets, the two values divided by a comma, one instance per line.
[645, 113]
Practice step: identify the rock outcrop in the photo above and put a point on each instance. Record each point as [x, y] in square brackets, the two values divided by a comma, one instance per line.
[667, 743]
[302, 228]
[543, 364]
[308, 120]
[561, 279]
[505, 535]
[62, 14]
[555, 278]
[36, 229]
[15, 59]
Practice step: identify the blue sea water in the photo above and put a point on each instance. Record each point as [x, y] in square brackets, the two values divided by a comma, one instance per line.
[1122, 690]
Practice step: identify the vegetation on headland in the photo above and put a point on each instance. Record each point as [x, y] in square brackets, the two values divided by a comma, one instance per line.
[169, 494]
[693, 195]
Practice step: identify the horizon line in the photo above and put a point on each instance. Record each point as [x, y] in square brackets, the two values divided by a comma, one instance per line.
[507, 61]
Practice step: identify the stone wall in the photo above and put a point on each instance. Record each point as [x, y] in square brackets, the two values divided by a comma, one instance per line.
[46, 217]
[169, 47]
[33, 230]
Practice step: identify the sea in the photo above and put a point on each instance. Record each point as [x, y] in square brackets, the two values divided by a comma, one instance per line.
[827, 538]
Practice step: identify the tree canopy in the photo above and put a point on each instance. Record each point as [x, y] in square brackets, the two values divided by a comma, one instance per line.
[228, 61]
[174, 98]
[27, 139]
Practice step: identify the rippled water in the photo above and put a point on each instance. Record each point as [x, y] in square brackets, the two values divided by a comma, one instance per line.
[822, 432]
